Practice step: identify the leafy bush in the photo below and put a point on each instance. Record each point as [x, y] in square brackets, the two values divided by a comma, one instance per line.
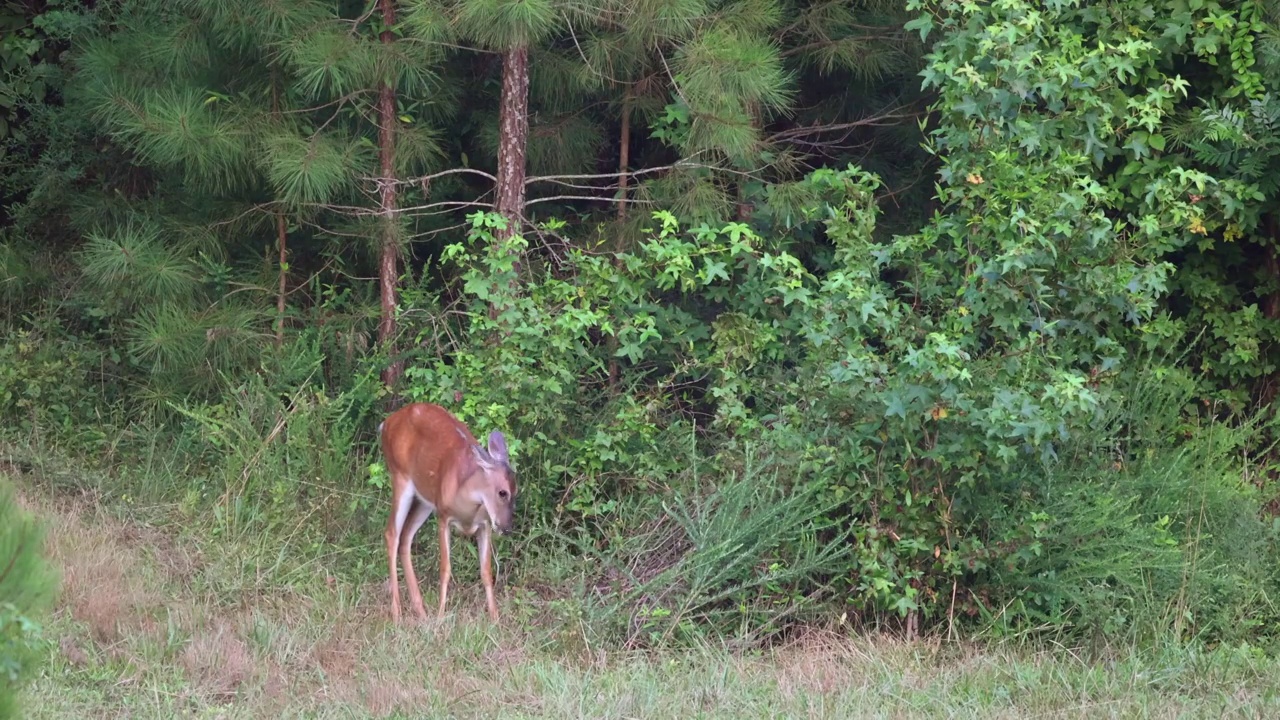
[46, 379]
[919, 420]
[26, 590]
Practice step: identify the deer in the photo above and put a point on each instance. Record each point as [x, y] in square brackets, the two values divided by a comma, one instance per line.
[436, 465]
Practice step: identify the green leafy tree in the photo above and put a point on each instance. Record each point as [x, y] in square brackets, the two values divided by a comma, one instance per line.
[1191, 108]
[1227, 288]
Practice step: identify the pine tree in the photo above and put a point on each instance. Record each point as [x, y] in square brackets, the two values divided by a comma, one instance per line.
[302, 126]
[622, 49]
[388, 275]
[510, 27]
[746, 92]
[272, 112]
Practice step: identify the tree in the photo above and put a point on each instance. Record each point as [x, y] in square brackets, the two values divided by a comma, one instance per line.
[388, 275]
[510, 27]
[281, 125]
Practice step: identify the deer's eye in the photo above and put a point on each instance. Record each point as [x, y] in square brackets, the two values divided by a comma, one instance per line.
[503, 494]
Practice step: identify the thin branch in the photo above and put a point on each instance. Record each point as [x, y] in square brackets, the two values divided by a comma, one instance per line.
[674, 85]
[260, 207]
[827, 42]
[892, 194]
[685, 163]
[355, 23]
[433, 233]
[452, 46]
[442, 173]
[881, 120]
[339, 101]
[359, 211]
[585, 197]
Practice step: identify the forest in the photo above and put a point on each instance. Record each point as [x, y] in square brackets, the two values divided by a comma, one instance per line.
[938, 331]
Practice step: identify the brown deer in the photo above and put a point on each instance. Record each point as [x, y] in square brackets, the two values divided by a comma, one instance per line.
[437, 466]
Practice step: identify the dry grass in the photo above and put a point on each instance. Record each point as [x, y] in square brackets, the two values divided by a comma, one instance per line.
[140, 632]
[103, 583]
[218, 662]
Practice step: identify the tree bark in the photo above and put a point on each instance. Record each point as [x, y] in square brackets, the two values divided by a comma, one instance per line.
[513, 145]
[388, 275]
[745, 207]
[282, 238]
[624, 160]
[624, 155]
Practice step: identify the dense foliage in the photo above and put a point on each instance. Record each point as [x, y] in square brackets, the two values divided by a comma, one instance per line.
[26, 588]
[754, 365]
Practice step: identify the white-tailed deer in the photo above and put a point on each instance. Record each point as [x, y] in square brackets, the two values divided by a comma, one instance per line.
[436, 465]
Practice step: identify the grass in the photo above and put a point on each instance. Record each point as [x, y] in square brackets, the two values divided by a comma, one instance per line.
[157, 622]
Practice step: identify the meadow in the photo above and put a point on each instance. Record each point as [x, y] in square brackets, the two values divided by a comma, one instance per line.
[160, 620]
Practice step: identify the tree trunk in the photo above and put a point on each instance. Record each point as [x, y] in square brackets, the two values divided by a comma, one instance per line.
[745, 207]
[624, 155]
[282, 238]
[624, 160]
[388, 276]
[281, 228]
[513, 145]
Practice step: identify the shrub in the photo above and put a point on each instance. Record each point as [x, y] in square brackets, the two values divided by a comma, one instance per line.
[26, 590]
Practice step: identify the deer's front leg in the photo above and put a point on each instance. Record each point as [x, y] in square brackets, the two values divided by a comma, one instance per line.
[486, 572]
[445, 568]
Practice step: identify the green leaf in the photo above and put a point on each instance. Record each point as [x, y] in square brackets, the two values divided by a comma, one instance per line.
[922, 24]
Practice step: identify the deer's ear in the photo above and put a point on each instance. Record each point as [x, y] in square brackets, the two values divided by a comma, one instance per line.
[497, 446]
[480, 457]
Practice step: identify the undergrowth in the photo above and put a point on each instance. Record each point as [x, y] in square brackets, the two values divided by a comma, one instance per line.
[1150, 529]
[716, 442]
[27, 586]
[161, 622]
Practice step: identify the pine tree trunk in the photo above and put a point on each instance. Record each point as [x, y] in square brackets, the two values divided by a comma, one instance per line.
[513, 129]
[387, 270]
[281, 228]
[624, 155]
[745, 207]
[624, 159]
[282, 238]
[513, 145]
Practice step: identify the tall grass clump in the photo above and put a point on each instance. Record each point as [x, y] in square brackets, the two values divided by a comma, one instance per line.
[740, 554]
[1150, 527]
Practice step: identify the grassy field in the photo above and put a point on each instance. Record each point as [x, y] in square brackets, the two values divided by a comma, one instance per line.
[157, 623]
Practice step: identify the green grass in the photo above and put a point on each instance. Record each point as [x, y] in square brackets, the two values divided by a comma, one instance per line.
[163, 622]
